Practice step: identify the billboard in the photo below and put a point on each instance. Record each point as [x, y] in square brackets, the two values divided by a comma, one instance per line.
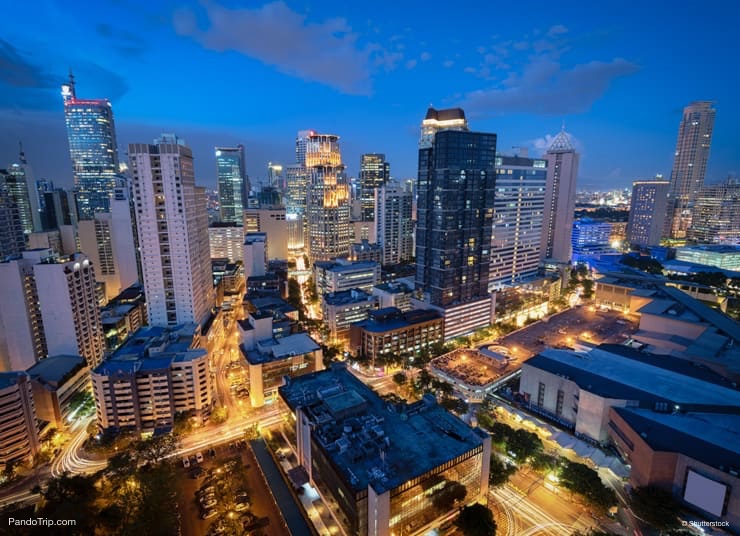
[709, 495]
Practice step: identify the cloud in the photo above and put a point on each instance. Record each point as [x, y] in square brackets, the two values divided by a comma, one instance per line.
[411, 64]
[557, 30]
[545, 87]
[17, 72]
[425, 56]
[447, 64]
[125, 43]
[327, 52]
[27, 86]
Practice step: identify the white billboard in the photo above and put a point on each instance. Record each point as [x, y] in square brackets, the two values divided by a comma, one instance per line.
[707, 494]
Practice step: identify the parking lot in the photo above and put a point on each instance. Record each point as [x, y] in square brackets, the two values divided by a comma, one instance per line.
[228, 488]
[564, 329]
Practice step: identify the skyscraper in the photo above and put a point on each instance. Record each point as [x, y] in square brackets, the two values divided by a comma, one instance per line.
[393, 223]
[457, 176]
[717, 214]
[16, 183]
[560, 199]
[275, 177]
[12, 238]
[327, 206]
[518, 208]
[436, 120]
[374, 173]
[173, 232]
[233, 185]
[647, 212]
[689, 165]
[92, 148]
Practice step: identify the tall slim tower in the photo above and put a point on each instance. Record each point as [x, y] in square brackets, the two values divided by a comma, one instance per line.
[172, 222]
[12, 238]
[560, 199]
[374, 173]
[327, 206]
[92, 147]
[647, 212]
[457, 176]
[689, 165]
[394, 227]
[233, 185]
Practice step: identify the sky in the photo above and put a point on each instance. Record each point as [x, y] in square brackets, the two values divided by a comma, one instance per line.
[616, 74]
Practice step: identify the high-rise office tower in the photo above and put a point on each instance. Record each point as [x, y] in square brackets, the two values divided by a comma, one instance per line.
[12, 238]
[233, 185]
[436, 120]
[457, 176]
[296, 181]
[55, 309]
[92, 147]
[172, 223]
[717, 214]
[108, 239]
[689, 166]
[21, 189]
[275, 177]
[518, 209]
[374, 173]
[647, 212]
[393, 223]
[560, 199]
[43, 186]
[327, 205]
[59, 209]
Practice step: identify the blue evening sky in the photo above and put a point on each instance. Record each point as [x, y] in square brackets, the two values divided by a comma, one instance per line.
[224, 72]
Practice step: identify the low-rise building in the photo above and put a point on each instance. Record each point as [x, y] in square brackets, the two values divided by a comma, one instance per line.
[394, 294]
[341, 275]
[464, 317]
[390, 331]
[472, 373]
[158, 373]
[58, 383]
[578, 389]
[271, 360]
[19, 434]
[725, 257]
[694, 456]
[365, 251]
[341, 309]
[385, 468]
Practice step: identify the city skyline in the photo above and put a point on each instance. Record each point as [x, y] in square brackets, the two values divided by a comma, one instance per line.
[519, 79]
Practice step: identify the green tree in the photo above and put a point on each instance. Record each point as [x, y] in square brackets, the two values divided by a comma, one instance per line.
[445, 498]
[524, 444]
[583, 480]
[156, 448]
[657, 507]
[455, 405]
[476, 520]
[71, 497]
[500, 471]
[400, 379]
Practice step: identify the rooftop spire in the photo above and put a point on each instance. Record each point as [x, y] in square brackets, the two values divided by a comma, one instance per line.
[561, 143]
[21, 154]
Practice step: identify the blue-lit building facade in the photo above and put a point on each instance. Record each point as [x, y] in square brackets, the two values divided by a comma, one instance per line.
[233, 185]
[92, 148]
[518, 210]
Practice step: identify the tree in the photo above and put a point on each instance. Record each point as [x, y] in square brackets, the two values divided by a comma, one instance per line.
[400, 379]
[656, 507]
[500, 471]
[524, 444]
[71, 497]
[476, 520]
[583, 480]
[454, 404]
[219, 415]
[156, 448]
[445, 498]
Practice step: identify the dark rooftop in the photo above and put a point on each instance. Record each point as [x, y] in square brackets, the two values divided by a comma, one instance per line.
[709, 438]
[391, 318]
[446, 114]
[53, 370]
[371, 441]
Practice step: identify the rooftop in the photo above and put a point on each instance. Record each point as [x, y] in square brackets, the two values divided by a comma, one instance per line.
[346, 266]
[9, 379]
[345, 297]
[55, 369]
[713, 439]
[630, 375]
[469, 366]
[447, 114]
[371, 441]
[394, 287]
[712, 248]
[392, 318]
[275, 349]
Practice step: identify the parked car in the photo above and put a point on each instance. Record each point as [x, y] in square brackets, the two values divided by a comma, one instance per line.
[209, 513]
[186, 462]
[199, 457]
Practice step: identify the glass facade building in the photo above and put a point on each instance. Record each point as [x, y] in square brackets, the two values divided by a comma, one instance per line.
[327, 204]
[518, 208]
[233, 185]
[716, 214]
[647, 212]
[16, 186]
[457, 177]
[374, 173]
[92, 148]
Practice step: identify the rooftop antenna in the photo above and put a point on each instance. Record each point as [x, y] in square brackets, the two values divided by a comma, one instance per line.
[21, 154]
